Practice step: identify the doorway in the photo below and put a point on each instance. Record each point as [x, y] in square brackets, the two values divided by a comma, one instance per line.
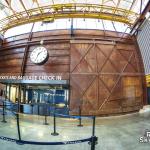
[38, 99]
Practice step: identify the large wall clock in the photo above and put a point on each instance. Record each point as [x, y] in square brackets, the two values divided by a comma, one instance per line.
[39, 55]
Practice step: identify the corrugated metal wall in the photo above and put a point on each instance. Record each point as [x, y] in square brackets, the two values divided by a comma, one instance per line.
[144, 44]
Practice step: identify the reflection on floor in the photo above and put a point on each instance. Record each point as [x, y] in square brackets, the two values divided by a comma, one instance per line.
[114, 133]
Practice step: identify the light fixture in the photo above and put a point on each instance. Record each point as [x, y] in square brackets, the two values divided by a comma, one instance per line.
[42, 42]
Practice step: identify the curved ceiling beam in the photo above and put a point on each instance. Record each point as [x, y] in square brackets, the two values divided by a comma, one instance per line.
[53, 12]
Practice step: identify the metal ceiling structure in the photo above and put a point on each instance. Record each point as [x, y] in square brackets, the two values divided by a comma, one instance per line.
[18, 12]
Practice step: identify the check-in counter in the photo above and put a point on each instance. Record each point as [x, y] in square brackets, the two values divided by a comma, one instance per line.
[37, 109]
[27, 109]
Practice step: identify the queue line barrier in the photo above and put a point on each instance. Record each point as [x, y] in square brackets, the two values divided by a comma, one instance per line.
[21, 142]
[92, 140]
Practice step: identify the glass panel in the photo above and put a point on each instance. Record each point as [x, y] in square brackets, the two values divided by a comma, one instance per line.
[124, 4]
[18, 30]
[10, 8]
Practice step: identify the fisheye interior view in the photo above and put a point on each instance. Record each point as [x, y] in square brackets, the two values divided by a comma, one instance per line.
[74, 74]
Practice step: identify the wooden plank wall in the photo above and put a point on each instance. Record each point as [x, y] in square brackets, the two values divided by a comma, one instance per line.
[105, 79]
[11, 60]
[12, 53]
[57, 64]
[104, 69]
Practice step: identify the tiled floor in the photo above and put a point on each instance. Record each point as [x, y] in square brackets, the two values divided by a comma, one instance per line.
[114, 133]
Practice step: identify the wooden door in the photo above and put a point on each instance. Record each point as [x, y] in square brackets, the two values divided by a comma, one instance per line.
[96, 72]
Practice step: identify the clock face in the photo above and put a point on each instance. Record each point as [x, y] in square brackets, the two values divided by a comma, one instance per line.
[39, 55]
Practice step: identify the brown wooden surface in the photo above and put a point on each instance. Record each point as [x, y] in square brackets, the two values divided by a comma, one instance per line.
[99, 74]
[105, 73]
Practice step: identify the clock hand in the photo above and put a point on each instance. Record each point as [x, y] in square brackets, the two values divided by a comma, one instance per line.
[38, 55]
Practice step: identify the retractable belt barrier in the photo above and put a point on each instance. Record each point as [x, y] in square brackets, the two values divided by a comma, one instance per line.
[92, 140]
[73, 117]
[48, 143]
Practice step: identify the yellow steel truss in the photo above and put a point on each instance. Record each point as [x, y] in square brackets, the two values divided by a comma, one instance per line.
[69, 10]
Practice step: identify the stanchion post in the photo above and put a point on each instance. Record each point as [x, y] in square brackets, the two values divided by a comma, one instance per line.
[18, 126]
[17, 114]
[4, 119]
[54, 133]
[54, 122]
[80, 119]
[45, 121]
[94, 138]
[93, 129]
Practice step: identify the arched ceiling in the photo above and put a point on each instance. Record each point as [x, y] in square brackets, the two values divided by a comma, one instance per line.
[18, 12]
